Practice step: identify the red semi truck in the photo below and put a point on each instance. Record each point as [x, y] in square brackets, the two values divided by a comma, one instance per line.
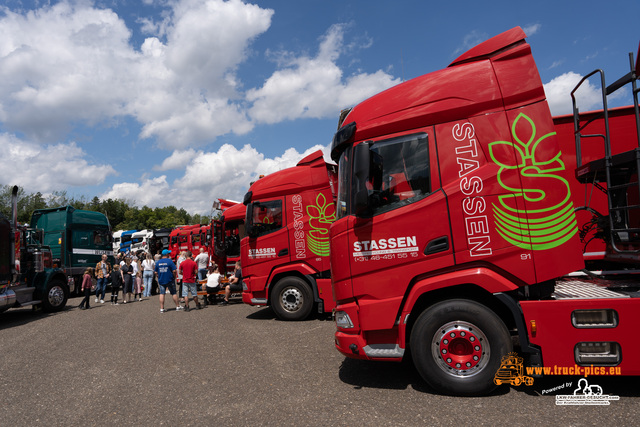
[27, 275]
[180, 239]
[455, 221]
[285, 256]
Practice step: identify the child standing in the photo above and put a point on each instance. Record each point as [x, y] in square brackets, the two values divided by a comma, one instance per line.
[116, 284]
[138, 286]
[126, 271]
[87, 283]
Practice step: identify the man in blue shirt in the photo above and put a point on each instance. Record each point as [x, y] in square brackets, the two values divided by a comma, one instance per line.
[166, 271]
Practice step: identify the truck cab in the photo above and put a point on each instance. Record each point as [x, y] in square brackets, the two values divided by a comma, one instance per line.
[126, 240]
[159, 240]
[117, 237]
[285, 256]
[200, 238]
[27, 275]
[140, 240]
[227, 232]
[180, 239]
[77, 238]
[456, 224]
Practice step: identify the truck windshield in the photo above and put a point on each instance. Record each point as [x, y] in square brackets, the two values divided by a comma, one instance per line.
[102, 238]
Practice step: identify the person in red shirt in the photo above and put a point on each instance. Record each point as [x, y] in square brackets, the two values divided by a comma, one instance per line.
[189, 269]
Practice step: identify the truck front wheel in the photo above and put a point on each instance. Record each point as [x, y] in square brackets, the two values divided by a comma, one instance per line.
[292, 299]
[457, 347]
[56, 296]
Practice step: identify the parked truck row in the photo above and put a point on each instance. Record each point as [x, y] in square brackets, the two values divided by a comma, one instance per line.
[454, 228]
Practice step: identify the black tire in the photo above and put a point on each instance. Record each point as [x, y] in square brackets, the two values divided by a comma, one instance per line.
[292, 299]
[56, 296]
[457, 347]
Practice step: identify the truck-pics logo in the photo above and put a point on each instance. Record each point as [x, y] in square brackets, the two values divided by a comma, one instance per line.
[321, 215]
[548, 220]
[511, 371]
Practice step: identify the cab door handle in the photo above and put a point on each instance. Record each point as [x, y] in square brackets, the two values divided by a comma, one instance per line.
[283, 252]
[439, 244]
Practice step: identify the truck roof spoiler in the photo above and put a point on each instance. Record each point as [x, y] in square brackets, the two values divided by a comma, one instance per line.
[313, 157]
[492, 46]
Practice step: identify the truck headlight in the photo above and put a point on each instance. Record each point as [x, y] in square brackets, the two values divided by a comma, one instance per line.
[343, 321]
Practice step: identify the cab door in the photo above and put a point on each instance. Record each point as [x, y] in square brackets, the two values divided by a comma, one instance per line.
[268, 243]
[405, 231]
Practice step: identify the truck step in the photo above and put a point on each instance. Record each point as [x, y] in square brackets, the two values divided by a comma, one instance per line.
[578, 289]
[25, 290]
[26, 303]
[24, 295]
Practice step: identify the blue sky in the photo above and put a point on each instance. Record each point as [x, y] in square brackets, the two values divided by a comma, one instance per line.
[184, 101]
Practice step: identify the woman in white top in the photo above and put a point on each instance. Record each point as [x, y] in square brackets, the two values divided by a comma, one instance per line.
[148, 266]
[213, 284]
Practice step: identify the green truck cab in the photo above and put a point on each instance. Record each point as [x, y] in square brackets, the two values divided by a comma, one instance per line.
[77, 238]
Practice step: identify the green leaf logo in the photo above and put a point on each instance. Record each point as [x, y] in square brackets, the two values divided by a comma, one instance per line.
[548, 220]
[321, 215]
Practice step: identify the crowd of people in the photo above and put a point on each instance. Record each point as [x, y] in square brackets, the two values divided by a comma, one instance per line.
[134, 279]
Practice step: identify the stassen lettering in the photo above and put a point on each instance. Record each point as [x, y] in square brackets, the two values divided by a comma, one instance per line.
[476, 224]
[391, 243]
[298, 226]
[263, 251]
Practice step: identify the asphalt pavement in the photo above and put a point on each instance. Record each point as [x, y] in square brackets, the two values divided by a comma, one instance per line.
[238, 365]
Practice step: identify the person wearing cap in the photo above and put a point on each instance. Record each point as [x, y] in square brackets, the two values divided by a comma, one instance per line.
[166, 271]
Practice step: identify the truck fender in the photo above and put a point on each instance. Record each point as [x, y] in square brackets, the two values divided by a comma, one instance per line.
[299, 269]
[482, 277]
[534, 355]
[42, 279]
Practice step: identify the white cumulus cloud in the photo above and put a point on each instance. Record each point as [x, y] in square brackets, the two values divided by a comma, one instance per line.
[558, 92]
[314, 87]
[225, 173]
[47, 168]
[73, 62]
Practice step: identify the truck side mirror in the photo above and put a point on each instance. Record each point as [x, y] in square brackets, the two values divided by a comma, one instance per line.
[251, 230]
[361, 164]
